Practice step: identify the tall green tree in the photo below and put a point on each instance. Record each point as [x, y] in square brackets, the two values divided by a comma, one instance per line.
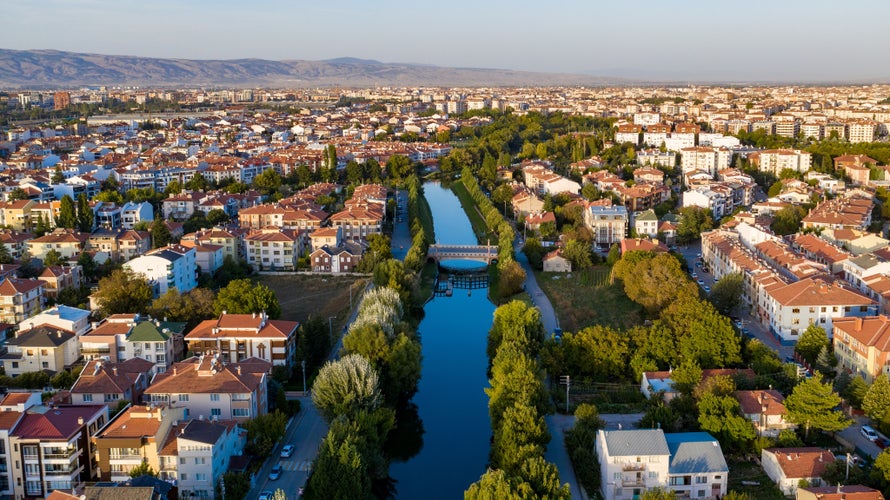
[85, 216]
[52, 258]
[876, 402]
[5, 255]
[518, 324]
[345, 386]
[67, 213]
[653, 281]
[243, 296]
[812, 404]
[693, 221]
[811, 342]
[58, 177]
[123, 292]
[522, 436]
[726, 294]
[720, 415]
[160, 234]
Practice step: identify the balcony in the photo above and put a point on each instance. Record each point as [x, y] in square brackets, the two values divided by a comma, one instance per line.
[638, 466]
[60, 454]
[633, 482]
[95, 350]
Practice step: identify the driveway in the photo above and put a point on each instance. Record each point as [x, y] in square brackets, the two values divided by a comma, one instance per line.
[853, 436]
[557, 454]
[539, 298]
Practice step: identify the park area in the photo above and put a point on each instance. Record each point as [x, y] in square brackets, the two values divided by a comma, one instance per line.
[587, 298]
[305, 295]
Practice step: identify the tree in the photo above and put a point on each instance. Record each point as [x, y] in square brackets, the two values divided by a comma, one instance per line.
[191, 307]
[379, 250]
[345, 386]
[123, 292]
[658, 494]
[85, 214]
[877, 400]
[598, 351]
[17, 194]
[518, 324]
[720, 415]
[263, 431]
[882, 465]
[58, 177]
[243, 296]
[174, 187]
[160, 234]
[197, 183]
[589, 191]
[494, 484]
[217, 216]
[825, 362]
[267, 182]
[53, 258]
[534, 252]
[5, 256]
[522, 435]
[702, 334]
[686, 377]
[143, 469]
[237, 484]
[67, 213]
[812, 404]
[787, 220]
[653, 282]
[110, 197]
[614, 255]
[579, 254]
[693, 221]
[811, 342]
[502, 195]
[398, 166]
[726, 294]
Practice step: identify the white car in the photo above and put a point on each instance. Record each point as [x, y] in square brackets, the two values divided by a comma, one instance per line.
[287, 451]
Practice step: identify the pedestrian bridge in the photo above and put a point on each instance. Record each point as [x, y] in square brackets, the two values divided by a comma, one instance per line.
[481, 253]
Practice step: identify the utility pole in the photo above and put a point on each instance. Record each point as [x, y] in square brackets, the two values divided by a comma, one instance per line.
[567, 380]
[303, 364]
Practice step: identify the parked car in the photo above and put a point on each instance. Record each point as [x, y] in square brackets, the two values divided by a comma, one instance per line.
[707, 289]
[701, 282]
[287, 451]
[266, 495]
[276, 472]
[869, 433]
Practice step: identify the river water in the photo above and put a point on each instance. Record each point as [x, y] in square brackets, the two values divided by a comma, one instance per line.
[452, 405]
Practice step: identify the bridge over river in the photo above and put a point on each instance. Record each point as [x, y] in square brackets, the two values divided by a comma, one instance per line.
[481, 253]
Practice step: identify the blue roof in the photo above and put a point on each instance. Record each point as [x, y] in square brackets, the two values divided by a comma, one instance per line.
[695, 453]
[68, 313]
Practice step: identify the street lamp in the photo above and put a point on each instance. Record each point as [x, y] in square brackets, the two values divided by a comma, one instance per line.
[303, 364]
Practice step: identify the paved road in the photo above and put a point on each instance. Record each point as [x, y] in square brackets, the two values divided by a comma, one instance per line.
[306, 431]
[853, 435]
[401, 232]
[557, 454]
[548, 315]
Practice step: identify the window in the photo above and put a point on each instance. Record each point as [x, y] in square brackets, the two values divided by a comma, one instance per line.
[701, 493]
[701, 480]
[15, 364]
[240, 412]
[181, 460]
[183, 477]
[200, 476]
[214, 397]
[795, 310]
[653, 474]
[87, 398]
[215, 412]
[183, 397]
[44, 364]
[616, 476]
[200, 460]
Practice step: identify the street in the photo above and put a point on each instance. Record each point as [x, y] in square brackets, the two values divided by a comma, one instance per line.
[305, 431]
[548, 315]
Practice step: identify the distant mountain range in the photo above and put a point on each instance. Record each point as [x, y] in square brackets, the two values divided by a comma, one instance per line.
[57, 69]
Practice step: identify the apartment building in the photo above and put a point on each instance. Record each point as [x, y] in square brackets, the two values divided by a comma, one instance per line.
[52, 449]
[862, 345]
[209, 388]
[173, 266]
[109, 383]
[776, 160]
[358, 223]
[608, 223]
[240, 336]
[43, 347]
[135, 436]
[690, 464]
[202, 451]
[274, 249]
[68, 243]
[850, 212]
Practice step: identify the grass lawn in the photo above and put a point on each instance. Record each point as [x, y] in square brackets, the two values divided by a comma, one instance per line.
[586, 298]
[302, 295]
[469, 206]
[742, 470]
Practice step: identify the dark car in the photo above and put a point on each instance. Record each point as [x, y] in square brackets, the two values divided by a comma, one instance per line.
[276, 472]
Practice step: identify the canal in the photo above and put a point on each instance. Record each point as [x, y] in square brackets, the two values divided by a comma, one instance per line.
[452, 405]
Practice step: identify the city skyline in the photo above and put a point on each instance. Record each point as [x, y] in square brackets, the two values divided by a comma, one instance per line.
[781, 42]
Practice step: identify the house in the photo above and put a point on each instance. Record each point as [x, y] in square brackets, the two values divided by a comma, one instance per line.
[660, 382]
[339, 259]
[554, 262]
[58, 278]
[66, 242]
[525, 202]
[534, 221]
[690, 464]
[61, 316]
[326, 236]
[53, 445]
[209, 388]
[109, 383]
[240, 336]
[839, 492]
[642, 245]
[646, 223]
[41, 348]
[172, 266]
[766, 410]
[135, 436]
[125, 336]
[230, 239]
[788, 466]
[15, 242]
[862, 345]
[204, 451]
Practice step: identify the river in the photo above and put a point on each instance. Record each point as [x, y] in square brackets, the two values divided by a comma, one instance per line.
[452, 405]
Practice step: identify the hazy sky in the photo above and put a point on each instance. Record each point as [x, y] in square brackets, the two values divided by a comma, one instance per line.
[811, 40]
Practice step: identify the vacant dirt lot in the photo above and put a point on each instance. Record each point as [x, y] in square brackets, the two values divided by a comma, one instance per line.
[302, 296]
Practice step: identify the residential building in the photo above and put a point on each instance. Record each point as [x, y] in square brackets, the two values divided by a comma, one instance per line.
[54, 449]
[776, 160]
[862, 345]
[66, 242]
[61, 316]
[607, 223]
[169, 267]
[359, 223]
[690, 464]
[40, 348]
[134, 213]
[58, 278]
[240, 336]
[17, 214]
[135, 436]
[132, 244]
[204, 450]
[10, 416]
[766, 410]
[862, 131]
[554, 262]
[15, 242]
[209, 388]
[707, 159]
[125, 336]
[787, 467]
[646, 223]
[839, 492]
[109, 383]
[274, 248]
[342, 258]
